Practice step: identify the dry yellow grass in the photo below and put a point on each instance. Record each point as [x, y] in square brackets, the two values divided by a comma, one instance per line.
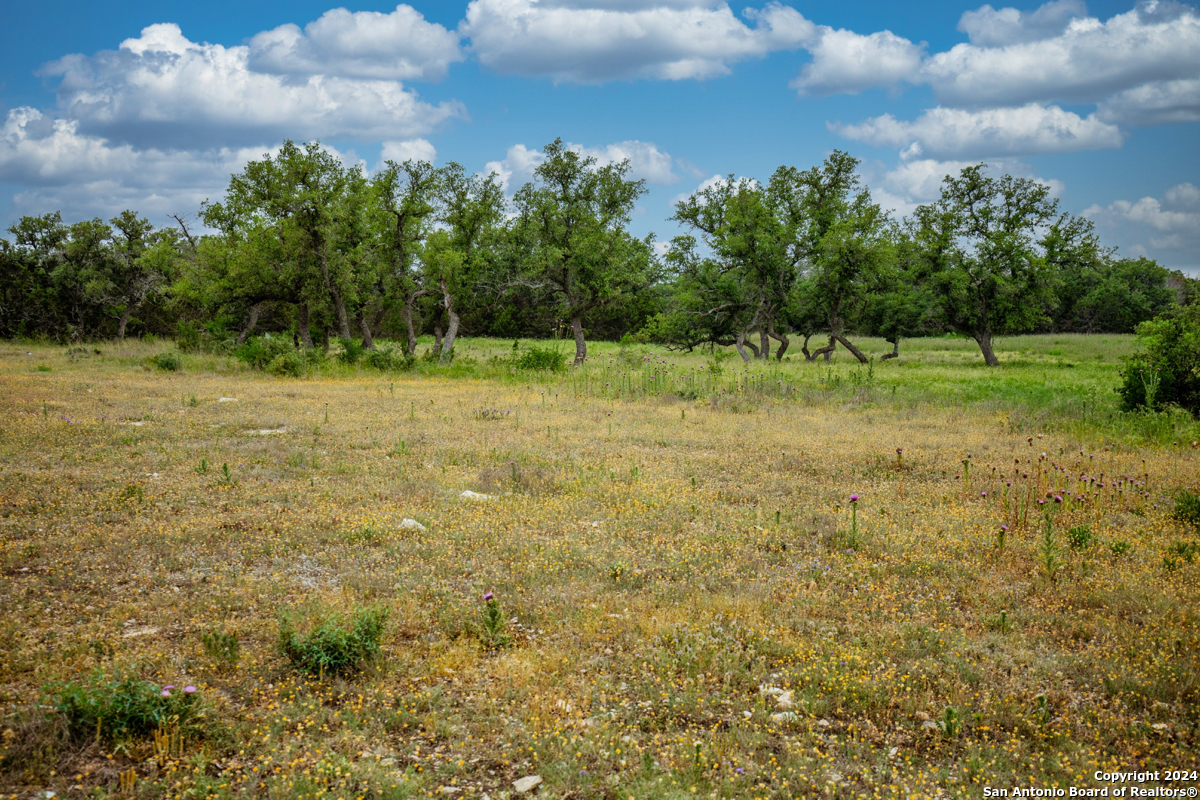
[671, 567]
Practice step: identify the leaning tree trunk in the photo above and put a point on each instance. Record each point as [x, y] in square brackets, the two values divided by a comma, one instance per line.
[850, 346]
[984, 338]
[368, 339]
[125, 315]
[251, 323]
[826, 351]
[452, 329]
[580, 342]
[764, 346]
[895, 340]
[783, 342]
[741, 344]
[302, 324]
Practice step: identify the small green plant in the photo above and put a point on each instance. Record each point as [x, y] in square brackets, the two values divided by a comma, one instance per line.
[165, 362]
[1080, 537]
[221, 647]
[1000, 623]
[1120, 548]
[202, 467]
[492, 625]
[950, 725]
[1180, 553]
[1001, 537]
[117, 708]
[43, 368]
[1048, 552]
[1187, 508]
[331, 642]
[366, 535]
[225, 476]
[851, 539]
[617, 570]
[539, 358]
[133, 493]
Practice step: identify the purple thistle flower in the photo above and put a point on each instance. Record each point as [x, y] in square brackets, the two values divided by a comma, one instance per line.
[488, 597]
[853, 498]
[189, 690]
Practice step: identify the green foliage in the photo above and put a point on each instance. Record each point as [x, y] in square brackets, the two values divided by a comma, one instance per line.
[352, 351]
[1187, 508]
[117, 708]
[260, 351]
[1180, 553]
[291, 364]
[1167, 371]
[540, 358]
[1120, 548]
[328, 642]
[165, 362]
[1080, 537]
[390, 359]
[223, 648]
[492, 624]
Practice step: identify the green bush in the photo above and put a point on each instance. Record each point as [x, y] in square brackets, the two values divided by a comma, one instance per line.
[1167, 371]
[1079, 537]
[260, 351]
[336, 642]
[287, 364]
[541, 358]
[352, 351]
[1187, 508]
[167, 362]
[389, 359]
[188, 337]
[118, 708]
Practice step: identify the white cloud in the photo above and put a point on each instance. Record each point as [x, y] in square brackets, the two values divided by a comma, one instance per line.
[411, 150]
[163, 90]
[1154, 104]
[847, 62]
[1171, 224]
[958, 133]
[364, 44]
[1089, 60]
[595, 42]
[988, 27]
[646, 161]
[912, 183]
[85, 176]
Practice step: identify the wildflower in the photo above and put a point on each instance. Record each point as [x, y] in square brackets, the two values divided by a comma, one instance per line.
[189, 690]
[166, 690]
[853, 498]
[488, 596]
[1058, 498]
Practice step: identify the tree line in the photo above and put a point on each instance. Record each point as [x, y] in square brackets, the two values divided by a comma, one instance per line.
[302, 244]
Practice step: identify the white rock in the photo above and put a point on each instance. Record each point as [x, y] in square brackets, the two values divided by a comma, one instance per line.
[527, 784]
[929, 725]
[892, 753]
[785, 717]
[450, 789]
[266, 431]
[227, 400]
[146, 631]
[411, 524]
[784, 700]
[476, 496]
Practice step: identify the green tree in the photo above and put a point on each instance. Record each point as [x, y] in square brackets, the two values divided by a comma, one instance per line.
[1167, 369]
[986, 264]
[570, 230]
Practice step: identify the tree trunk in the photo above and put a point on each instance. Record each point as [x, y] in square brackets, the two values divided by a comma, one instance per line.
[741, 345]
[452, 330]
[437, 335]
[764, 346]
[850, 346]
[826, 351]
[339, 305]
[580, 343]
[783, 342]
[895, 349]
[125, 315]
[368, 339]
[984, 338]
[410, 346]
[325, 337]
[251, 323]
[302, 324]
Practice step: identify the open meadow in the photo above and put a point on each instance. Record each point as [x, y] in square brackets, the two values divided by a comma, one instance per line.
[917, 578]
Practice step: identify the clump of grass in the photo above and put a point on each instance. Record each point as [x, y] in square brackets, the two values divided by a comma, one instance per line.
[324, 642]
[223, 648]
[1080, 537]
[1180, 553]
[165, 362]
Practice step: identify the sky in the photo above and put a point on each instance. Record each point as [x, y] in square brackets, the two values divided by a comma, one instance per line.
[153, 106]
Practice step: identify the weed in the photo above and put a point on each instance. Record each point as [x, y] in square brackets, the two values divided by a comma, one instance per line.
[1187, 508]
[115, 708]
[1180, 553]
[225, 477]
[492, 624]
[333, 642]
[165, 362]
[1120, 548]
[1080, 537]
[223, 648]
[202, 467]
[539, 358]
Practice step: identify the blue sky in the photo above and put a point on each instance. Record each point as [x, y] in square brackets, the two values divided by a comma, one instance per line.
[152, 106]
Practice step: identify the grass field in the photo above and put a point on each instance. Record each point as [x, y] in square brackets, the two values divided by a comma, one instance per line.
[692, 605]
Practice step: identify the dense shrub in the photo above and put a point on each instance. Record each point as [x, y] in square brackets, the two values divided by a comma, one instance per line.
[167, 362]
[540, 358]
[260, 351]
[389, 359]
[287, 364]
[352, 351]
[1167, 371]
[336, 642]
[118, 708]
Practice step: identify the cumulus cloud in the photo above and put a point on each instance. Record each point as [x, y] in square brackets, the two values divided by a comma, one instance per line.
[1157, 103]
[1170, 224]
[646, 162]
[85, 176]
[917, 181]
[1159, 40]
[411, 150]
[400, 45]
[959, 133]
[848, 62]
[988, 27]
[162, 90]
[593, 42]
